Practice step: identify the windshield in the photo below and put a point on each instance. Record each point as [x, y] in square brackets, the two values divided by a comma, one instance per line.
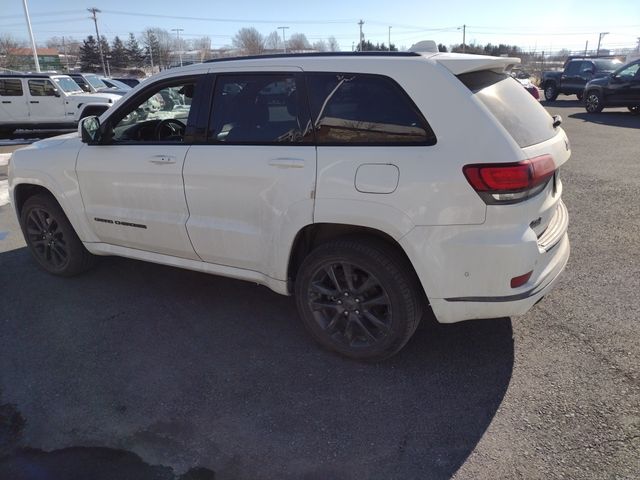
[67, 84]
[95, 82]
[608, 64]
[519, 113]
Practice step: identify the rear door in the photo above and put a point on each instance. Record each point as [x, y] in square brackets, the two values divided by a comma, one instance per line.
[250, 188]
[46, 104]
[13, 101]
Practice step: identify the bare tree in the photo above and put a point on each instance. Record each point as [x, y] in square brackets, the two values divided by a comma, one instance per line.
[333, 44]
[7, 45]
[272, 42]
[298, 41]
[203, 46]
[249, 40]
[320, 46]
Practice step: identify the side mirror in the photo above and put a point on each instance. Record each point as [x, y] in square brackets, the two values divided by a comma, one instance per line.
[56, 93]
[89, 130]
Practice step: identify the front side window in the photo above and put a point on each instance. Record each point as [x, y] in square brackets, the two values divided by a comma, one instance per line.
[161, 115]
[11, 87]
[41, 88]
[573, 68]
[258, 109]
[364, 109]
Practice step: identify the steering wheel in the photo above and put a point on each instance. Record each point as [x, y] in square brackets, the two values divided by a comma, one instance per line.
[169, 127]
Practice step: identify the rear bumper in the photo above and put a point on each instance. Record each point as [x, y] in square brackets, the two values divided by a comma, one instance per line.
[455, 309]
[466, 270]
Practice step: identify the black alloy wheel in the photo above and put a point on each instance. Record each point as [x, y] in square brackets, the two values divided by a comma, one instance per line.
[359, 297]
[51, 238]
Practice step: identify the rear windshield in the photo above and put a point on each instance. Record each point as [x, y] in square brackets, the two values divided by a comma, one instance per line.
[513, 106]
[607, 65]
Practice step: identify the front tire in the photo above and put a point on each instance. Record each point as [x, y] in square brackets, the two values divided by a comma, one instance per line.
[550, 92]
[359, 298]
[593, 102]
[635, 110]
[51, 238]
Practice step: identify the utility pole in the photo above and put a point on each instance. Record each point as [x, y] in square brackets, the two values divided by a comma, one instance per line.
[586, 48]
[284, 41]
[33, 42]
[150, 50]
[361, 38]
[464, 38]
[600, 37]
[93, 16]
[389, 37]
[178, 30]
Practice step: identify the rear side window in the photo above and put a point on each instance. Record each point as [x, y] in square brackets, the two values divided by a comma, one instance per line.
[11, 87]
[41, 88]
[519, 113]
[258, 109]
[356, 109]
[573, 67]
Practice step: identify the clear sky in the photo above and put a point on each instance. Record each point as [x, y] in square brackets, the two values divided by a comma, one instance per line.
[532, 25]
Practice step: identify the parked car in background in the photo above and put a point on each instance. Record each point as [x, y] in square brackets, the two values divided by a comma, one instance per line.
[116, 84]
[576, 74]
[344, 179]
[524, 79]
[619, 89]
[46, 101]
[91, 83]
[132, 82]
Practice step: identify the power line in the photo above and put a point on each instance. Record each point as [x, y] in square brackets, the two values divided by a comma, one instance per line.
[94, 17]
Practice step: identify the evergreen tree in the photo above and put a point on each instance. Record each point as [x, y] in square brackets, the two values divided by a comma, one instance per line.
[89, 55]
[118, 54]
[135, 54]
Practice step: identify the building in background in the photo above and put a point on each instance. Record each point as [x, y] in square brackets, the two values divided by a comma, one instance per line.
[22, 59]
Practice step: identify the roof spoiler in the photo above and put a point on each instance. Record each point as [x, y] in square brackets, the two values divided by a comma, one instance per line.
[458, 63]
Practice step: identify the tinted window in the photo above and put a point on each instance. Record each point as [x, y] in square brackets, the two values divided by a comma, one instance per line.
[11, 87]
[587, 66]
[258, 109]
[607, 64]
[41, 88]
[573, 67]
[519, 113]
[630, 72]
[364, 109]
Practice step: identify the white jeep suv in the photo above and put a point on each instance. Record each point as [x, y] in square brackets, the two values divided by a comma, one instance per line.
[373, 187]
[46, 101]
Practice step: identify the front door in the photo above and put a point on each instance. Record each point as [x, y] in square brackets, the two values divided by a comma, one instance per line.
[132, 186]
[251, 188]
[46, 104]
[624, 87]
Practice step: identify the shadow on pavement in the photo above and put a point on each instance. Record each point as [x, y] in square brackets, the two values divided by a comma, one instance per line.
[615, 119]
[180, 368]
[569, 102]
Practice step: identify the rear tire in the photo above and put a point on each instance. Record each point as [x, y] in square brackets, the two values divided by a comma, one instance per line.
[51, 238]
[635, 110]
[580, 95]
[359, 298]
[593, 102]
[550, 92]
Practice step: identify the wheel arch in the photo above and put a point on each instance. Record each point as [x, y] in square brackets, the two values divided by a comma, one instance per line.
[93, 109]
[315, 234]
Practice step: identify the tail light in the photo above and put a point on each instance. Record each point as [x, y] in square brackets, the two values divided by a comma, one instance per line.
[506, 183]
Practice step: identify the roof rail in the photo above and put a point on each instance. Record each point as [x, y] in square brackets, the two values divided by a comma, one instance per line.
[317, 54]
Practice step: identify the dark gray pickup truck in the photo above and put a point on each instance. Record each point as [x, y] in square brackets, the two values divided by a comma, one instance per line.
[576, 74]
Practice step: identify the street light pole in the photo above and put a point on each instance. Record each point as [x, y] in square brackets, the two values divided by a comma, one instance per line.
[389, 37]
[361, 38]
[178, 30]
[33, 42]
[284, 41]
[600, 37]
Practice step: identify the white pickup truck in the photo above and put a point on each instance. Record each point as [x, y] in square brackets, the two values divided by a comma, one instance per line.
[46, 101]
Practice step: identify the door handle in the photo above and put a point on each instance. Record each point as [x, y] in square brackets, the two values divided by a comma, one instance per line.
[286, 162]
[6, 101]
[162, 159]
[34, 101]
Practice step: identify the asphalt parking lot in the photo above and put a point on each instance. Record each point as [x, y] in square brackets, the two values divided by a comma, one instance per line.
[145, 371]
